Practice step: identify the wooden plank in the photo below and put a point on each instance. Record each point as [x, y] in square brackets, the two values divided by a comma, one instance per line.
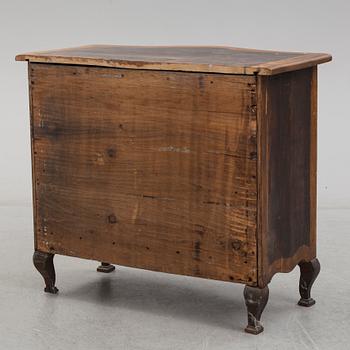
[287, 164]
[227, 60]
[148, 169]
[293, 63]
[262, 179]
[31, 115]
[313, 162]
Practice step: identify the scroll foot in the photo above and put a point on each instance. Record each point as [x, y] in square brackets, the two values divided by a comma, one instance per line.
[309, 270]
[44, 264]
[106, 267]
[255, 300]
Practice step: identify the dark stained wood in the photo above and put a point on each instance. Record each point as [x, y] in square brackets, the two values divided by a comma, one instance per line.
[43, 262]
[255, 300]
[309, 271]
[217, 59]
[287, 171]
[154, 170]
[313, 162]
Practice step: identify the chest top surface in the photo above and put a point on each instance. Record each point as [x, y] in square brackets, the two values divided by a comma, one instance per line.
[215, 59]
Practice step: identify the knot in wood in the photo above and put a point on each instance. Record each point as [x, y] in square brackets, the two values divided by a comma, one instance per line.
[111, 152]
[236, 244]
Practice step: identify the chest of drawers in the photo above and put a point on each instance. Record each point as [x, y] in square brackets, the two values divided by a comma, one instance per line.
[198, 161]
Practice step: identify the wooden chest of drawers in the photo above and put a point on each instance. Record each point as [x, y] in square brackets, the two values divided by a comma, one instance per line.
[189, 160]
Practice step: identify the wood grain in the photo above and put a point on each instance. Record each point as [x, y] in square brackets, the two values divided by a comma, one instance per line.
[287, 171]
[148, 169]
[218, 59]
[313, 162]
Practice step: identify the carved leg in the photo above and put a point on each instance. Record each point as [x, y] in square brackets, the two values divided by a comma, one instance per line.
[255, 300]
[44, 264]
[106, 267]
[309, 270]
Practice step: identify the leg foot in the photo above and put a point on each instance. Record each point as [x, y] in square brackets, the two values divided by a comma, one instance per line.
[106, 267]
[44, 264]
[309, 270]
[255, 300]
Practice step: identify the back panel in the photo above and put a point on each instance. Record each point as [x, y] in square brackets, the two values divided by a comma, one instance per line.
[149, 169]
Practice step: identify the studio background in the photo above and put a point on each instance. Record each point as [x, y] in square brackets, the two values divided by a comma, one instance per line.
[135, 309]
[315, 26]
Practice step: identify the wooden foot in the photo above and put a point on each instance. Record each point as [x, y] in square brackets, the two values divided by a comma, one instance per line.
[255, 300]
[309, 270]
[106, 267]
[44, 264]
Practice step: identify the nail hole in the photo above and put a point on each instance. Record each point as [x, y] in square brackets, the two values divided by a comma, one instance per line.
[111, 152]
[253, 155]
[112, 219]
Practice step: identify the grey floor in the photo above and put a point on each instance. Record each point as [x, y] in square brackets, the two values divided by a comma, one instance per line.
[136, 309]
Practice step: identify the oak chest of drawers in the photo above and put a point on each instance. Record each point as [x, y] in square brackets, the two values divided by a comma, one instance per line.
[188, 160]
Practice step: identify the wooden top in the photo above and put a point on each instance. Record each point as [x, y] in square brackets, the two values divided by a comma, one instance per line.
[214, 59]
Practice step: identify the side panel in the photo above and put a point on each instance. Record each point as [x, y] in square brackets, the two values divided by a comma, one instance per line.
[149, 169]
[287, 171]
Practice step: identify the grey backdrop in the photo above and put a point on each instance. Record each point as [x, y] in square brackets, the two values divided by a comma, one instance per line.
[308, 25]
[135, 309]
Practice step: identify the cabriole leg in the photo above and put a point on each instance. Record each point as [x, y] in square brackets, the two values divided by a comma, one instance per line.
[309, 270]
[44, 264]
[255, 300]
[106, 267]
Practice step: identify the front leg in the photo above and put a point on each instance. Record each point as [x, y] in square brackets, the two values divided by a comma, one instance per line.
[309, 270]
[255, 300]
[44, 264]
